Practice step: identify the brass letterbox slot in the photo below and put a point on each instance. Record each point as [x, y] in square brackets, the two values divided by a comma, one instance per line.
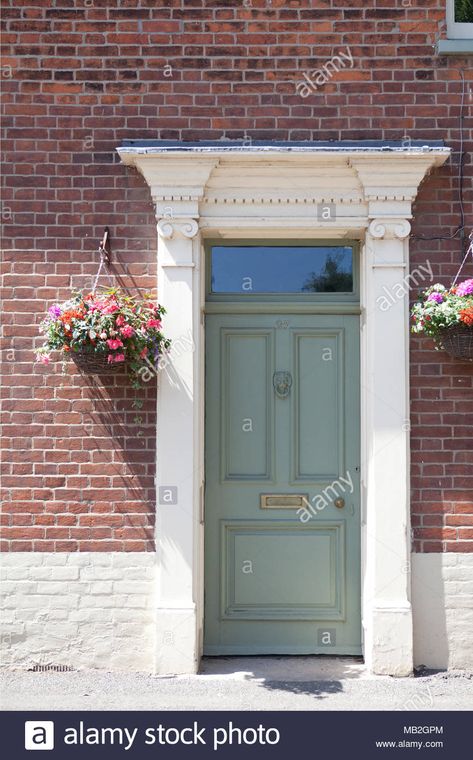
[283, 500]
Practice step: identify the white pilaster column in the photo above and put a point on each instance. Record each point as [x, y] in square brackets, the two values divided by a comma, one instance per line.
[387, 614]
[178, 471]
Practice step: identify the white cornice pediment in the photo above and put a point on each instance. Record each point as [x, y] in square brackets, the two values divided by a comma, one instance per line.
[199, 181]
[395, 176]
[172, 178]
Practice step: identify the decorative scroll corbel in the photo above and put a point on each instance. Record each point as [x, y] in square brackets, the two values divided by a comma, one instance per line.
[389, 228]
[169, 227]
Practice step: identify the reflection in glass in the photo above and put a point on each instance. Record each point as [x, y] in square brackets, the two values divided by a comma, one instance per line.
[334, 278]
[282, 269]
[464, 11]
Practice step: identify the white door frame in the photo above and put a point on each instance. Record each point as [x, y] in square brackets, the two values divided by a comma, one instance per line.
[363, 193]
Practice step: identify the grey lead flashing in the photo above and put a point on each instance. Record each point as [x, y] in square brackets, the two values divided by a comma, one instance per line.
[455, 47]
[258, 146]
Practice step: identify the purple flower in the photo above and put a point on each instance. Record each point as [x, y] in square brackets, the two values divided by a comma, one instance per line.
[437, 297]
[465, 288]
[54, 311]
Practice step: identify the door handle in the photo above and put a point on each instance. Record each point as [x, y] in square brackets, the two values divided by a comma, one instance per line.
[339, 503]
[282, 383]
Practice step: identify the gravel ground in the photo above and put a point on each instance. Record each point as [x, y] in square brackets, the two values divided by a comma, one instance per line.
[237, 683]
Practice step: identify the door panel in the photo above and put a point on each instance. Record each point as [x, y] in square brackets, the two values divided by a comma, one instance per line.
[246, 456]
[282, 419]
[273, 589]
[319, 435]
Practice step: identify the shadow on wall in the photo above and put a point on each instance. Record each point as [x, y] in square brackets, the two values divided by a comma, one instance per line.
[98, 438]
[126, 415]
[122, 438]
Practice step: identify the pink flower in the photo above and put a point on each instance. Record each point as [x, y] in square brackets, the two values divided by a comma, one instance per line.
[110, 307]
[153, 323]
[143, 352]
[114, 343]
[437, 297]
[43, 358]
[120, 320]
[111, 358]
[54, 310]
[103, 335]
[127, 331]
[465, 288]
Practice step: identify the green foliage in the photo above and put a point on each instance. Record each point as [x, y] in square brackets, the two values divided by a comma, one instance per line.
[464, 11]
[331, 280]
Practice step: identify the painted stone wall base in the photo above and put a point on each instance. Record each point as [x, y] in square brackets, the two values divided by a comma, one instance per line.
[98, 610]
[176, 638]
[391, 650]
[442, 600]
[83, 610]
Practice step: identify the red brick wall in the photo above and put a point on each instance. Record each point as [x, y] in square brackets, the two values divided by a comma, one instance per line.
[78, 77]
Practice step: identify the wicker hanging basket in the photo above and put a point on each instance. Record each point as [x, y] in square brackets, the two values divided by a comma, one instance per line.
[93, 363]
[458, 341]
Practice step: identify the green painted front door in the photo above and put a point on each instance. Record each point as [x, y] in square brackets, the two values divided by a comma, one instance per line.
[282, 494]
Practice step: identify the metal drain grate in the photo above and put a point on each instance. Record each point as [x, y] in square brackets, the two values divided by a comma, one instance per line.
[51, 669]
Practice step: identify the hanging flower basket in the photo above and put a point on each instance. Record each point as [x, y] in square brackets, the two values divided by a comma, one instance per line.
[458, 341]
[103, 332]
[446, 315]
[93, 363]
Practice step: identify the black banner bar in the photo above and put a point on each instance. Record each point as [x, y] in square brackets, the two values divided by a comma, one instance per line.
[225, 735]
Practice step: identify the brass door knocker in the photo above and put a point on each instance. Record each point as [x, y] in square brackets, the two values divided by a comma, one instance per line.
[282, 383]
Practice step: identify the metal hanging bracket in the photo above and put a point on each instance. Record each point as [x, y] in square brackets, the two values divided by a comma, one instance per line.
[105, 252]
[105, 249]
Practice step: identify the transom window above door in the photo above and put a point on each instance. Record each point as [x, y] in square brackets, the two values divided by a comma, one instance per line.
[251, 269]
